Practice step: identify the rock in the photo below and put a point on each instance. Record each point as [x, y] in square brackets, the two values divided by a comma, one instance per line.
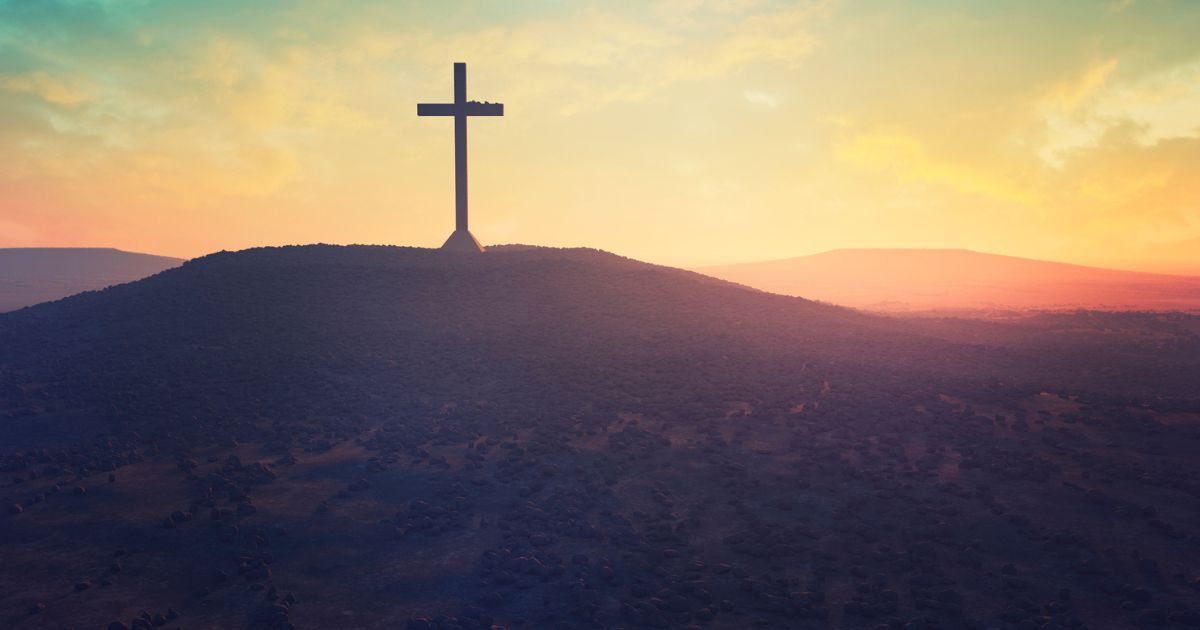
[855, 608]
[1139, 595]
[755, 587]
[677, 603]
[258, 574]
[524, 564]
[542, 539]
[503, 578]
[949, 596]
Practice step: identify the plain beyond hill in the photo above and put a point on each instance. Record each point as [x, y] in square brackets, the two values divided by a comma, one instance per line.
[906, 280]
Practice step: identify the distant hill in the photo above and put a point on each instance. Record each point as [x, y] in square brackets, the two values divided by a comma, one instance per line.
[957, 279]
[30, 275]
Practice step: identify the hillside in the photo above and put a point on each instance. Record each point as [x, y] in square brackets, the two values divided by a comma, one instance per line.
[382, 437]
[41, 274]
[929, 279]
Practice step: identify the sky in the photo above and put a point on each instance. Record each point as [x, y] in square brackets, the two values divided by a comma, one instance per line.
[684, 132]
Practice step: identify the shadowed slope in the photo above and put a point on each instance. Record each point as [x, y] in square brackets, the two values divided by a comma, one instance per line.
[473, 324]
[427, 315]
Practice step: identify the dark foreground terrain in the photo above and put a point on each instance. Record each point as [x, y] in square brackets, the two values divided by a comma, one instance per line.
[371, 437]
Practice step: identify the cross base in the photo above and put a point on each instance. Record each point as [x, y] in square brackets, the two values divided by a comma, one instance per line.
[462, 241]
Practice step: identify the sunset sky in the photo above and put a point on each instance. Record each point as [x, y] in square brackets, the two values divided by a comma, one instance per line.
[684, 132]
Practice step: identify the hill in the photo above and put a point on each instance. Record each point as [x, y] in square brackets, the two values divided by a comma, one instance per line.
[952, 279]
[41, 274]
[384, 437]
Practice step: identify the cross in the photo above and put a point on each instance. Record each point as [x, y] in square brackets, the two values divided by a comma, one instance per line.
[461, 239]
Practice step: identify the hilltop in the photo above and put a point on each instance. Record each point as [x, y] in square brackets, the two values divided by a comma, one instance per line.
[385, 437]
[905, 280]
[30, 275]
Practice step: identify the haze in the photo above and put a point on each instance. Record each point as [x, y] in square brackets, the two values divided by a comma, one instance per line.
[925, 280]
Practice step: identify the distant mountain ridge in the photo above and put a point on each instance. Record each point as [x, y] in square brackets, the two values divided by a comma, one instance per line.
[31, 275]
[958, 279]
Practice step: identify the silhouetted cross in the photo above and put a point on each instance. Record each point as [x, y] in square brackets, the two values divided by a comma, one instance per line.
[460, 109]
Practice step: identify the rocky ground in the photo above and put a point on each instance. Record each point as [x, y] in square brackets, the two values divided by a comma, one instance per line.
[327, 437]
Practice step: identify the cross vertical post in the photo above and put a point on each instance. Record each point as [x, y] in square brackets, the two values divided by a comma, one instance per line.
[460, 109]
[460, 147]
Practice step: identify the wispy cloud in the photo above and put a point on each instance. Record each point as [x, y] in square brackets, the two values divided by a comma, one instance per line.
[904, 154]
[56, 90]
[763, 99]
[1069, 95]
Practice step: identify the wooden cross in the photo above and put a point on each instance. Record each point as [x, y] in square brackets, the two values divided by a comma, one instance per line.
[460, 109]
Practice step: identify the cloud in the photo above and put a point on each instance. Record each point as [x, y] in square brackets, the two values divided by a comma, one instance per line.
[677, 11]
[588, 58]
[1167, 102]
[1148, 184]
[51, 89]
[1119, 6]
[1160, 105]
[1069, 95]
[784, 36]
[764, 99]
[906, 156]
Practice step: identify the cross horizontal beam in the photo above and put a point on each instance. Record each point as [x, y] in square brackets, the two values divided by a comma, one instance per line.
[470, 108]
